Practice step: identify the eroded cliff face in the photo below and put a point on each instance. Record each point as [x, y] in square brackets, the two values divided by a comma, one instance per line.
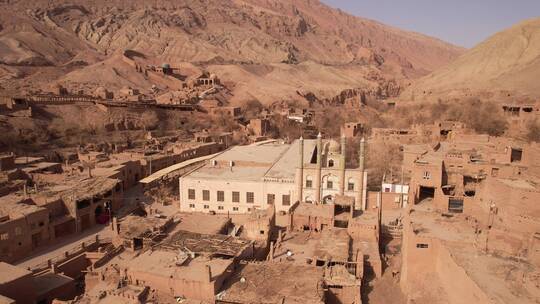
[227, 34]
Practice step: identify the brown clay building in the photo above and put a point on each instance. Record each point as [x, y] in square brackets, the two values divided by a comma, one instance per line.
[29, 221]
[352, 129]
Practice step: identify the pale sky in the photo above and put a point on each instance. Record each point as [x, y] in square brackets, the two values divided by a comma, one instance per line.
[461, 22]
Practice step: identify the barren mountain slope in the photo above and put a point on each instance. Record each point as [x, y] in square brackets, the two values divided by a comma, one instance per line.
[216, 34]
[508, 61]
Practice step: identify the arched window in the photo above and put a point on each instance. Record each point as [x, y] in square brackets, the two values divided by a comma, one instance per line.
[330, 163]
[309, 182]
[350, 184]
[330, 181]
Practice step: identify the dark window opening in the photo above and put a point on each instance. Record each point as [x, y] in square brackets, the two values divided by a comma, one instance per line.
[455, 205]
[341, 224]
[426, 193]
[470, 193]
[314, 156]
[422, 245]
[516, 155]
[83, 204]
[137, 243]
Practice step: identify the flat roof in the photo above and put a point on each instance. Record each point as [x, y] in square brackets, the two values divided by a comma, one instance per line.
[255, 162]
[327, 245]
[39, 166]
[201, 222]
[426, 222]
[285, 167]
[11, 273]
[22, 160]
[16, 206]
[138, 226]
[492, 274]
[164, 263]
[275, 283]
[320, 210]
[50, 281]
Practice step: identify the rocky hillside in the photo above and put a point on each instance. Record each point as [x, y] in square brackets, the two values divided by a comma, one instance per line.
[508, 62]
[270, 49]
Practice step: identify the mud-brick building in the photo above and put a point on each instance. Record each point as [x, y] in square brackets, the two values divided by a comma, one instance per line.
[30, 220]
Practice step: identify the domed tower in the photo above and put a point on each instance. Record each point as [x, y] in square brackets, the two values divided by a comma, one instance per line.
[333, 155]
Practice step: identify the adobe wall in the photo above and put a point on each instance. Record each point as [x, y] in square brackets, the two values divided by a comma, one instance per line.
[17, 246]
[74, 266]
[424, 257]
[191, 289]
[372, 200]
[391, 200]
[416, 262]
[312, 222]
[363, 232]
[344, 294]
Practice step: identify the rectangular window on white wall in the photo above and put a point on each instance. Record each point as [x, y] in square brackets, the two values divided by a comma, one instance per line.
[250, 197]
[220, 196]
[236, 197]
[286, 200]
